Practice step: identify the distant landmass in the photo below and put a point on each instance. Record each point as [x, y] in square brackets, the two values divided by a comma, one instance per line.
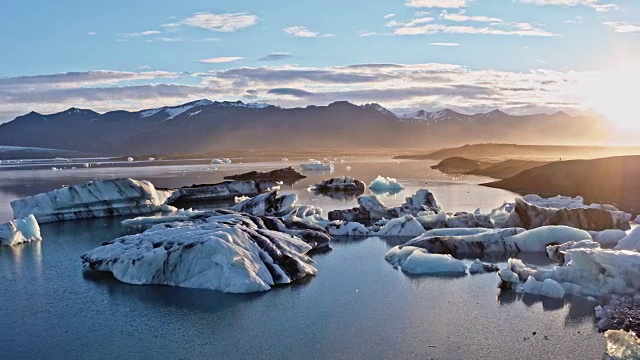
[499, 152]
[612, 180]
[18, 153]
[203, 126]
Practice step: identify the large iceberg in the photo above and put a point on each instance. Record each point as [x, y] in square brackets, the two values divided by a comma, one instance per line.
[228, 252]
[20, 231]
[631, 241]
[226, 190]
[590, 272]
[269, 204]
[94, 199]
[416, 261]
[531, 216]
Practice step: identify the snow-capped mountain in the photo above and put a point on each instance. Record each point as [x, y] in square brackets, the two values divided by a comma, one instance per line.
[205, 125]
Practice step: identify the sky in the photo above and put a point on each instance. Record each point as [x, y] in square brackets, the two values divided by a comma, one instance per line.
[521, 56]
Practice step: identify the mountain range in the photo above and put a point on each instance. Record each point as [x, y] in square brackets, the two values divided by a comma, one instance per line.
[205, 125]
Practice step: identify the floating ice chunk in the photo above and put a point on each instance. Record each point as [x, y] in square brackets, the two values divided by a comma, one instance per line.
[637, 220]
[316, 165]
[631, 241]
[129, 159]
[478, 267]
[608, 237]
[403, 226]
[212, 256]
[397, 256]
[284, 159]
[269, 204]
[341, 183]
[538, 239]
[548, 288]
[491, 241]
[221, 161]
[239, 199]
[342, 228]
[457, 232]
[20, 231]
[385, 184]
[558, 252]
[622, 345]
[171, 216]
[593, 272]
[94, 199]
[421, 262]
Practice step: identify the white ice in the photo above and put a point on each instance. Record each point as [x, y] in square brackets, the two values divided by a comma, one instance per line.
[416, 261]
[316, 165]
[385, 184]
[221, 161]
[548, 287]
[631, 241]
[404, 226]
[94, 199]
[20, 231]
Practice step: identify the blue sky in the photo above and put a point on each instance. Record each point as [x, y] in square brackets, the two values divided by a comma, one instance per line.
[519, 55]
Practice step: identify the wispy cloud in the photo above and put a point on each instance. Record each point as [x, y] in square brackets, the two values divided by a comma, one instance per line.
[423, 26]
[304, 32]
[226, 22]
[388, 16]
[624, 27]
[276, 56]
[437, 3]
[92, 33]
[219, 60]
[165, 39]
[444, 44]
[597, 5]
[143, 33]
[460, 16]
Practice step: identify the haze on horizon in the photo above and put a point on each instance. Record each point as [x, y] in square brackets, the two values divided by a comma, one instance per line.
[523, 56]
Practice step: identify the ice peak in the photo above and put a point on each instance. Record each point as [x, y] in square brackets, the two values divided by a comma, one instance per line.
[377, 107]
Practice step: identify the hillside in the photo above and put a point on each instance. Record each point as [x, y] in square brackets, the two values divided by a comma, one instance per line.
[505, 169]
[611, 180]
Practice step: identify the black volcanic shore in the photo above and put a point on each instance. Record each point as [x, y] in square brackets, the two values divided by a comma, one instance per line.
[613, 180]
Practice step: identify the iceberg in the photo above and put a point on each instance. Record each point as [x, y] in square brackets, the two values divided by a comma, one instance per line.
[20, 231]
[630, 242]
[548, 288]
[211, 255]
[316, 165]
[590, 272]
[497, 241]
[416, 261]
[94, 199]
[478, 267]
[340, 184]
[558, 252]
[531, 216]
[381, 185]
[221, 161]
[405, 226]
[226, 190]
[608, 237]
[269, 204]
[288, 175]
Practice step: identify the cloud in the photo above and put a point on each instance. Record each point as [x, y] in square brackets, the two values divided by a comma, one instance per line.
[437, 3]
[388, 16]
[92, 33]
[276, 56]
[444, 44]
[219, 60]
[460, 16]
[226, 22]
[304, 32]
[393, 85]
[594, 4]
[624, 27]
[520, 29]
[165, 39]
[144, 33]
[414, 22]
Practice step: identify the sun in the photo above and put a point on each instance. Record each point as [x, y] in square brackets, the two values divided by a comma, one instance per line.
[613, 94]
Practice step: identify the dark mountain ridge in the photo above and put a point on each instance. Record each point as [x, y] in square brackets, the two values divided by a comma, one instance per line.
[204, 125]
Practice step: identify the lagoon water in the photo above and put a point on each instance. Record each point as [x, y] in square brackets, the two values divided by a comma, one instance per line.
[356, 307]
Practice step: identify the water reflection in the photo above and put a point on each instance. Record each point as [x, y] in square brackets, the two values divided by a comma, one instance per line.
[163, 295]
[338, 195]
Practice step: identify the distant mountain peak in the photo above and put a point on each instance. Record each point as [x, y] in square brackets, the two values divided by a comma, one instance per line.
[378, 108]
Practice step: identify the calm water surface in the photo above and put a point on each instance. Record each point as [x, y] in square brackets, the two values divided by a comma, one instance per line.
[357, 307]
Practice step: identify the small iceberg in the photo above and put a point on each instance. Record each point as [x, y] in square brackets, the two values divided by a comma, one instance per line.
[416, 261]
[20, 231]
[381, 185]
[316, 165]
[221, 161]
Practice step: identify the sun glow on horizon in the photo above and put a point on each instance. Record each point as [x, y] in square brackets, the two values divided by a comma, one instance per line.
[612, 93]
